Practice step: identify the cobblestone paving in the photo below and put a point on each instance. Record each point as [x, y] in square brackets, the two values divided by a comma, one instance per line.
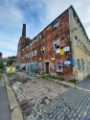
[72, 105]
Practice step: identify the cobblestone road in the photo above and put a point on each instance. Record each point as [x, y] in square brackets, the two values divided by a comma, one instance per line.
[72, 105]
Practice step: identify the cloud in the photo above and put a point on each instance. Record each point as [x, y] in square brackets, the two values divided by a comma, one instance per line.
[48, 10]
[58, 6]
[37, 14]
[82, 8]
[11, 19]
[9, 46]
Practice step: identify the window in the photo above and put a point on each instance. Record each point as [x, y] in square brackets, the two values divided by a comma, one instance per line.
[39, 52]
[76, 38]
[67, 62]
[30, 44]
[43, 50]
[86, 66]
[55, 24]
[56, 45]
[82, 64]
[34, 52]
[77, 41]
[67, 49]
[30, 56]
[59, 67]
[78, 64]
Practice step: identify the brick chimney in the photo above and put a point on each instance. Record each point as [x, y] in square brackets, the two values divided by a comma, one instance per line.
[24, 31]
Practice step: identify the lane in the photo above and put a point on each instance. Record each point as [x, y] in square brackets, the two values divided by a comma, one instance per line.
[4, 104]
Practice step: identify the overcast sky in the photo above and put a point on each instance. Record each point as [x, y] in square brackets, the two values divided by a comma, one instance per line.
[36, 14]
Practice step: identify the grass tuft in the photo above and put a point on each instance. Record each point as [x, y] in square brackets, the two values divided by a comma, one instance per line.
[52, 77]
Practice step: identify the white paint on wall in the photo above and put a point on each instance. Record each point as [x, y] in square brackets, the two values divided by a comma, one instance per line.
[80, 49]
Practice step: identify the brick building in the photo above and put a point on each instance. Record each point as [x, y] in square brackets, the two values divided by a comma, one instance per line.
[62, 48]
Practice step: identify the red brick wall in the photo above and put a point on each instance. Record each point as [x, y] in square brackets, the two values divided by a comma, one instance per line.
[49, 35]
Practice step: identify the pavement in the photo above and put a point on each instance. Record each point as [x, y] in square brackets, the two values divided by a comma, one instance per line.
[5, 113]
[85, 84]
[16, 113]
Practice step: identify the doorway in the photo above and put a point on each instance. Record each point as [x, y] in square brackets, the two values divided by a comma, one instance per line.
[47, 67]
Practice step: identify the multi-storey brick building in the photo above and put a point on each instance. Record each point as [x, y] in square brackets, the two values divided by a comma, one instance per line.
[62, 48]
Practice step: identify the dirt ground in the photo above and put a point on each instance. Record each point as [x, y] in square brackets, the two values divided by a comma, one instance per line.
[34, 90]
[38, 88]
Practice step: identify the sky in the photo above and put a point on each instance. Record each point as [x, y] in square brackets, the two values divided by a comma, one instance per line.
[37, 14]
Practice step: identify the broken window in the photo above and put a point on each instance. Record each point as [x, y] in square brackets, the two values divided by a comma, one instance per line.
[59, 67]
[56, 23]
[67, 49]
[56, 45]
[76, 38]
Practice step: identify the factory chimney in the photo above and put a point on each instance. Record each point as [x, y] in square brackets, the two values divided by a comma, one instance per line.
[24, 31]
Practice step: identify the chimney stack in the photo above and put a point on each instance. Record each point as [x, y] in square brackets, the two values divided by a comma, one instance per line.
[24, 30]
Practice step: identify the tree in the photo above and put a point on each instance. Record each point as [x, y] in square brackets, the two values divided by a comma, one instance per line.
[1, 66]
